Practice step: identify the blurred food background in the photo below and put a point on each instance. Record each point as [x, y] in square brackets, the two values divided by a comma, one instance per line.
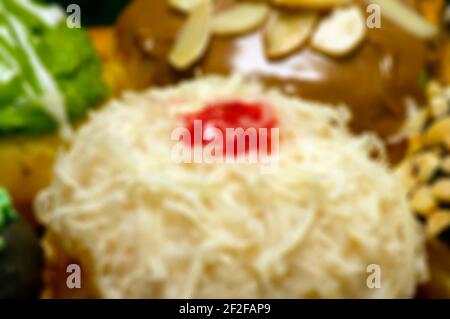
[393, 80]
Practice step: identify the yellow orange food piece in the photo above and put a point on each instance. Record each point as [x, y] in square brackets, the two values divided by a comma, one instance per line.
[25, 166]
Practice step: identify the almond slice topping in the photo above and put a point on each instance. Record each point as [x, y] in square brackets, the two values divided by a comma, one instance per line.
[193, 39]
[340, 33]
[287, 32]
[240, 18]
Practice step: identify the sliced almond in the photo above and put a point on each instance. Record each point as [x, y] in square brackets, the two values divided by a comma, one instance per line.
[426, 164]
[341, 32]
[184, 6]
[311, 4]
[193, 39]
[240, 18]
[287, 32]
[406, 17]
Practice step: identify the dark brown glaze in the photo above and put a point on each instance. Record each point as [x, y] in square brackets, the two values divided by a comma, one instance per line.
[374, 81]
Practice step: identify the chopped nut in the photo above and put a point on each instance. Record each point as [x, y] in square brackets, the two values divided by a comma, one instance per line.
[439, 106]
[441, 190]
[439, 133]
[426, 163]
[423, 201]
[405, 172]
[286, 32]
[437, 223]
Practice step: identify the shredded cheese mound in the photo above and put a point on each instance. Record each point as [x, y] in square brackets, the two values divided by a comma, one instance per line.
[145, 227]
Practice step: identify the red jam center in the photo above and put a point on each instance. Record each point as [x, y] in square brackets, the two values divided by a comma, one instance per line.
[238, 116]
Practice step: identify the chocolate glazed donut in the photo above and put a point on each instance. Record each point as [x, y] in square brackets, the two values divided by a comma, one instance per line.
[374, 81]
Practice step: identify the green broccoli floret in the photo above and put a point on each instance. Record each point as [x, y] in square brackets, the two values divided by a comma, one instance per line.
[37, 51]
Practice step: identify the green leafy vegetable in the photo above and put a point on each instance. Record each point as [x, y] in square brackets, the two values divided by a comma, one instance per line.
[7, 213]
[49, 73]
